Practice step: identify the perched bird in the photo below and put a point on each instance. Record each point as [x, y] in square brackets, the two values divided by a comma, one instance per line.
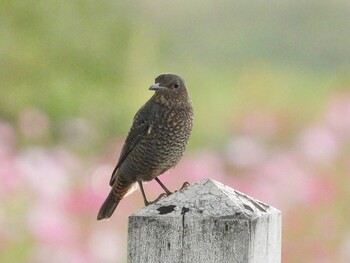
[156, 141]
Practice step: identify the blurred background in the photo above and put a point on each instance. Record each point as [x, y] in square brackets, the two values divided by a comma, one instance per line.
[270, 83]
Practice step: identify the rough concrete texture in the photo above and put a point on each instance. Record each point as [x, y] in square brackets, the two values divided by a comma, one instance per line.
[207, 198]
[205, 222]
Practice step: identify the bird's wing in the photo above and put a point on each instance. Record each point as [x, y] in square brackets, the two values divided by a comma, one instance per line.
[138, 130]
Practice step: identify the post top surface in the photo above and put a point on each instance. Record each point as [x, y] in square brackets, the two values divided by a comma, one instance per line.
[208, 198]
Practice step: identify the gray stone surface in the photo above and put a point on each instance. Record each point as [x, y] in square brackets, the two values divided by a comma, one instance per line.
[205, 222]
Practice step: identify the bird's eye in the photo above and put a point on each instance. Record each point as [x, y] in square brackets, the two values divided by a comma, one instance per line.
[176, 85]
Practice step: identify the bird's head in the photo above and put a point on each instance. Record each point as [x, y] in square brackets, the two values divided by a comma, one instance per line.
[170, 88]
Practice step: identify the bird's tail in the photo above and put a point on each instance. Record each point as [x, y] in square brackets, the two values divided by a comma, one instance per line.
[118, 191]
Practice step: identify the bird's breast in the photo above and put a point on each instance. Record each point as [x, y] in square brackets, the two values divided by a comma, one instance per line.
[162, 146]
[168, 135]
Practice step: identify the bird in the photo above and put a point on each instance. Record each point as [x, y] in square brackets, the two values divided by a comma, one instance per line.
[155, 143]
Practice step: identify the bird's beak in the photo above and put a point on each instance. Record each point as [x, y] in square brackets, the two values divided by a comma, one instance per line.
[156, 86]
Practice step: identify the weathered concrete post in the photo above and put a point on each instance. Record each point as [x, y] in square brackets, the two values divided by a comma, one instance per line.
[206, 222]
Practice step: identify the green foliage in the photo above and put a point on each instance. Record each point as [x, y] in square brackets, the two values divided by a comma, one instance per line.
[96, 59]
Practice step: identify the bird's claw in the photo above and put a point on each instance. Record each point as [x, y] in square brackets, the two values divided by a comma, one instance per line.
[158, 198]
[185, 184]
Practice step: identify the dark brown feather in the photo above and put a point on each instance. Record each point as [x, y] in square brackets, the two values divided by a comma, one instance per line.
[156, 141]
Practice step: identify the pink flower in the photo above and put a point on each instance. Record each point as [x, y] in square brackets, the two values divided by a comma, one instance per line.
[259, 123]
[51, 225]
[246, 151]
[79, 133]
[69, 160]
[34, 123]
[319, 144]
[204, 164]
[283, 182]
[106, 245]
[84, 200]
[8, 138]
[345, 249]
[9, 177]
[72, 253]
[43, 173]
[338, 114]
[99, 179]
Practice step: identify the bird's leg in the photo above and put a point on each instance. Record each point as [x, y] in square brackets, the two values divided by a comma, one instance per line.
[143, 194]
[163, 186]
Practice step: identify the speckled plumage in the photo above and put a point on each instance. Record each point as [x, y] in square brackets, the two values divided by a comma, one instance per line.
[156, 141]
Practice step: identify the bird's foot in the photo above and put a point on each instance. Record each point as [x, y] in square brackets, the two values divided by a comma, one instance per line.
[147, 203]
[158, 198]
[167, 193]
[185, 184]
